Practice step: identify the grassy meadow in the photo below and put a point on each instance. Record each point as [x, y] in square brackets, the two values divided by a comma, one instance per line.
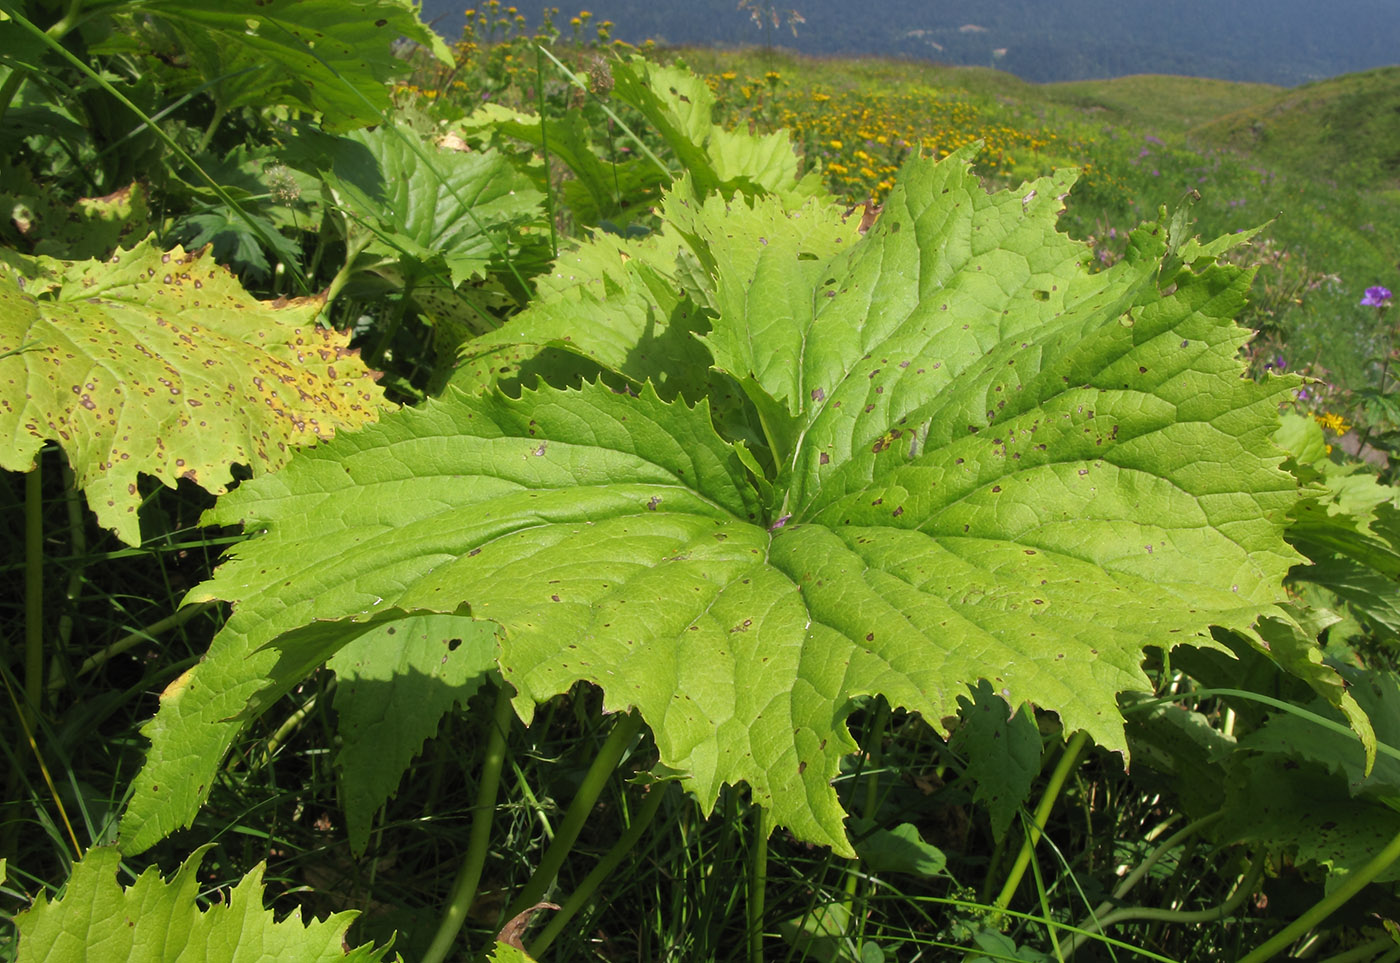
[1317, 165]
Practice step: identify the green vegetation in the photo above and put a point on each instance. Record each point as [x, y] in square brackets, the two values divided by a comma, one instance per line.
[696, 507]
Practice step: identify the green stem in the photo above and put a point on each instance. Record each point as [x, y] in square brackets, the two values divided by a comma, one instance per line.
[148, 634]
[386, 337]
[544, 149]
[875, 752]
[1247, 885]
[1380, 389]
[873, 758]
[758, 880]
[34, 588]
[1042, 814]
[464, 887]
[293, 721]
[353, 250]
[627, 842]
[1364, 953]
[219, 113]
[577, 814]
[1137, 875]
[9, 88]
[1326, 906]
[77, 543]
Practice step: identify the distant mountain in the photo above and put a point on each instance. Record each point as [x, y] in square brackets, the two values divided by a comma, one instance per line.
[1285, 42]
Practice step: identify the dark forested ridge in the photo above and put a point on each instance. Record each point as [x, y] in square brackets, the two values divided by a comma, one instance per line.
[1285, 42]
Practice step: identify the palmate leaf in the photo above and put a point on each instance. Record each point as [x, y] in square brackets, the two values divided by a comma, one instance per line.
[158, 362]
[153, 921]
[988, 464]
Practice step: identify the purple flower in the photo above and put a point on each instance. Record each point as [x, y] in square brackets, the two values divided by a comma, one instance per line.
[1376, 297]
[1280, 362]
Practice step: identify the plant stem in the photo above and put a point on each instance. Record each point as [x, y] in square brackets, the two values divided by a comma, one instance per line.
[1042, 814]
[872, 760]
[656, 795]
[100, 658]
[77, 543]
[483, 814]
[353, 249]
[1364, 953]
[1246, 886]
[384, 342]
[758, 880]
[219, 113]
[544, 149]
[577, 814]
[1326, 906]
[34, 588]
[275, 741]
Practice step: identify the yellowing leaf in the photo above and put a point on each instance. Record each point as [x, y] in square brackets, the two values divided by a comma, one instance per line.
[158, 362]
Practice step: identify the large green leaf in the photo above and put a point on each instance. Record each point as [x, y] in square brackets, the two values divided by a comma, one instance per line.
[158, 362]
[992, 464]
[152, 921]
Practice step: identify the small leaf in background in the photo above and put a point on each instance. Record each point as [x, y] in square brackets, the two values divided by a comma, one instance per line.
[90, 227]
[617, 192]
[505, 953]
[821, 934]
[331, 57]
[999, 948]
[898, 850]
[158, 362]
[1002, 748]
[1303, 810]
[451, 214]
[154, 921]
[394, 684]
[680, 105]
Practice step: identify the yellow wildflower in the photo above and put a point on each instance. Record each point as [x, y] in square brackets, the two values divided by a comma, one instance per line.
[1332, 422]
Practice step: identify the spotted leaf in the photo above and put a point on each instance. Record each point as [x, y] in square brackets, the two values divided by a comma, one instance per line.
[159, 363]
[989, 463]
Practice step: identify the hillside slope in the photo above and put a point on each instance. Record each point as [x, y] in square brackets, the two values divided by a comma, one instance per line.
[1143, 142]
[1343, 129]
